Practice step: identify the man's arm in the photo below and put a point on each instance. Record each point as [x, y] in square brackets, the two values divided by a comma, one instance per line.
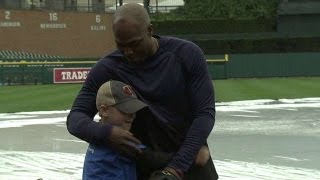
[202, 101]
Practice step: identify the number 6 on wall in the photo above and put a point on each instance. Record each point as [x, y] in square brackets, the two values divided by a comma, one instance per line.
[98, 18]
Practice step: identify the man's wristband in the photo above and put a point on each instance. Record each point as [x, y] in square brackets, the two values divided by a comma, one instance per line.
[178, 173]
[163, 175]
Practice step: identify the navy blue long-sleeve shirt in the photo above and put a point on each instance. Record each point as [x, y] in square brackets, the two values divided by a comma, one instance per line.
[176, 85]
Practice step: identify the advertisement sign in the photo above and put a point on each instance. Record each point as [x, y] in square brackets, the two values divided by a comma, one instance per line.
[70, 75]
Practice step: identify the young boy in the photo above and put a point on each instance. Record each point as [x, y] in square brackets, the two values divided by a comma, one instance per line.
[117, 104]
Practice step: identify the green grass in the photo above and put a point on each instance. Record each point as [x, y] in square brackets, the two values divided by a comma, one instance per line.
[37, 97]
[61, 96]
[266, 88]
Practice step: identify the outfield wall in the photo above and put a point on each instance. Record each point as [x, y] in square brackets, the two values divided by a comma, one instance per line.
[220, 67]
[23, 72]
[267, 65]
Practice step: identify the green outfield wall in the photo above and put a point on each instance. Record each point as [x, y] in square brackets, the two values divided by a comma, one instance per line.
[43, 72]
[266, 65]
[220, 67]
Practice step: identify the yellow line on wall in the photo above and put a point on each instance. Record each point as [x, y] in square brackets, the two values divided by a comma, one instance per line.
[226, 58]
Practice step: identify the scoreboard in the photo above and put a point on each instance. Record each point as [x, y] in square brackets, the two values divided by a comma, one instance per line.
[68, 34]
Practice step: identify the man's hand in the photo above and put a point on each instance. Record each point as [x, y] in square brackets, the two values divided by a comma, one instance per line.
[124, 142]
[202, 156]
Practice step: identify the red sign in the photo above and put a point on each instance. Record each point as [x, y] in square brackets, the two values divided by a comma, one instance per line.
[70, 75]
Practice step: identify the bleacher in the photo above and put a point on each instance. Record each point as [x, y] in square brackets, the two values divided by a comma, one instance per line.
[18, 55]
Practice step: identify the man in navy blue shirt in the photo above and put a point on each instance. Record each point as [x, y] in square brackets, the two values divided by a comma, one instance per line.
[171, 76]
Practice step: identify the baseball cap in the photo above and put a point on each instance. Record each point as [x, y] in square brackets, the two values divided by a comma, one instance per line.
[119, 95]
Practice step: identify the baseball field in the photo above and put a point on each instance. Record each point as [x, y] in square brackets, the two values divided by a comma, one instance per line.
[60, 96]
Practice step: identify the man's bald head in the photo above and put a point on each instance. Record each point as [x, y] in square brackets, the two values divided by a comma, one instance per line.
[133, 33]
[132, 12]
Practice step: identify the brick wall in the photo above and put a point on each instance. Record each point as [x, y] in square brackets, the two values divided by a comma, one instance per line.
[56, 33]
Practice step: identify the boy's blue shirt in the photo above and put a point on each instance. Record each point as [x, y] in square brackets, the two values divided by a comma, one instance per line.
[102, 163]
